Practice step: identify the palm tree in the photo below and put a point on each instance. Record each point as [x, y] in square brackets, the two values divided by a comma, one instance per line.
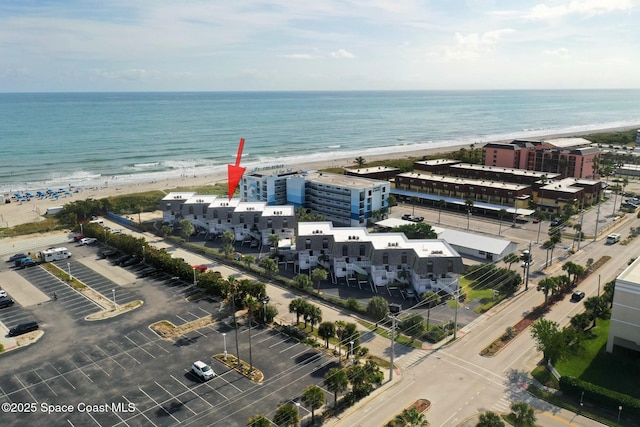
[523, 414]
[286, 416]
[336, 381]
[318, 275]
[302, 281]
[510, 259]
[490, 419]
[313, 397]
[412, 418]
[441, 204]
[274, 239]
[327, 330]
[501, 214]
[359, 161]
[248, 260]
[313, 315]
[414, 200]
[469, 205]
[259, 421]
[297, 306]
[270, 266]
[341, 327]
[547, 285]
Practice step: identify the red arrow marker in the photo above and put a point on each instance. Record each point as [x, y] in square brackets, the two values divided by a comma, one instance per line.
[234, 172]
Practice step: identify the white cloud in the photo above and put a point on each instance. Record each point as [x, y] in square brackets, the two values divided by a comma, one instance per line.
[474, 45]
[587, 8]
[560, 52]
[342, 54]
[134, 74]
[299, 56]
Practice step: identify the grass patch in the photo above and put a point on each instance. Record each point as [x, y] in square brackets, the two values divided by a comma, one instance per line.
[400, 338]
[618, 371]
[50, 223]
[544, 377]
[64, 276]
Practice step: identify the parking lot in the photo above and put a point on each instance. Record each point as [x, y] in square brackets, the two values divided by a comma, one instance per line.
[141, 380]
[119, 372]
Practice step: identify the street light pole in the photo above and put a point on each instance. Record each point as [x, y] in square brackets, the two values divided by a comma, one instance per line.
[195, 282]
[115, 305]
[69, 270]
[351, 344]
[619, 411]
[393, 338]
[224, 338]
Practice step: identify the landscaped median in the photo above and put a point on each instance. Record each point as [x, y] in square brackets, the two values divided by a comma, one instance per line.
[108, 311]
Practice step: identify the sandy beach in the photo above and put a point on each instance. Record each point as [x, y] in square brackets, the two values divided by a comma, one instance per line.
[15, 213]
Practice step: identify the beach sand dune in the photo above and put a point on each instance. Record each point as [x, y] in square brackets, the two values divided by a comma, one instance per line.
[15, 213]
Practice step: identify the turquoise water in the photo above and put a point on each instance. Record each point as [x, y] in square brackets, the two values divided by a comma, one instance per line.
[86, 139]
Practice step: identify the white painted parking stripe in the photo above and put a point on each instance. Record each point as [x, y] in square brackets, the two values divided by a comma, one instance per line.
[26, 389]
[289, 348]
[154, 342]
[158, 405]
[136, 344]
[60, 375]
[191, 314]
[126, 352]
[78, 368]
[121, 419]
[5, 395]
[184, 320]
[112, 359]
[191, 391]
[44, 382]
[94, 420]
[175, 398]
[140, 412]
[95, 364]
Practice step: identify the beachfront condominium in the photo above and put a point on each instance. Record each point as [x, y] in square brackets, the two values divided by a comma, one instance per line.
[624, 328]
[378, 259]
[568, 157]
[342, 199]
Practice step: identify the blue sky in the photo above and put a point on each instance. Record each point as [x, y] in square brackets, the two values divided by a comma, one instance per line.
[214, 45]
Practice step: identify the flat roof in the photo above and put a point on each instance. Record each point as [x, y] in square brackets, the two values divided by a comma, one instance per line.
[380, 241]
[567, 185]
[201, 199]
[498, 169]
[480, 242]
[341, 180]
[224, 202]
[631, 274]
[470, 181]
[372, 169]
[178, 195]
[567, 142]
[280, 210]
[434, 162]
[250, 207]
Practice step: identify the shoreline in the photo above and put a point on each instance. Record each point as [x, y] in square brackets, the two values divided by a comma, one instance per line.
[15, 213]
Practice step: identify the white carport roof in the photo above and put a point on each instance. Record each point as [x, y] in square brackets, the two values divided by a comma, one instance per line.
[462, 202]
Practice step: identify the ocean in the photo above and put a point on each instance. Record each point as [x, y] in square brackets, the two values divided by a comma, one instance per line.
[52, 140]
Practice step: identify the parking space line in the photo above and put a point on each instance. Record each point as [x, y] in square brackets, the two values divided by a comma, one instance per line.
[94, 363]
[223, 379]
[204, 311]
[158, 405]
[289, 348]
[78, 368]
[196, 394]
[5, 395]
[94, 420]
[175, 398]
[278, 343]
[121, 419]
[26, 389]
[112, 359]
[139, 412]
[140, 347]
[44, 382]
[61, 375]
[126, 352]
[184, 320]
[154, 342]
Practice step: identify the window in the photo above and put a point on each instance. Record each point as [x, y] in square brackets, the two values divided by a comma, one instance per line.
[241, 218]
[450, 266]
[404, 258]
[362, 250]
[269, 223]
[285, 222]
[307, 244]
[325, 243]
[385, 258]
[429, 266]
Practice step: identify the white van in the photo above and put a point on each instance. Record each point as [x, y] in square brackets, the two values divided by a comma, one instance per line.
[613, 238]
[55, 254]
[97, 221]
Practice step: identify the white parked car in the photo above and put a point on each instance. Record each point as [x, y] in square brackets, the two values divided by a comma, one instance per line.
[202, 370]
[3, 293]
[88, 241]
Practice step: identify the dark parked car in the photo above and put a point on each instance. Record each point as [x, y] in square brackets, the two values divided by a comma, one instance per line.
[556, 222]
[23, 328]
[577, 296]
[122, 259]
[407, 217]
[26, 262]
[417, 219]
[131, 261]
[6, 302]
[16, 257]
[108, 253]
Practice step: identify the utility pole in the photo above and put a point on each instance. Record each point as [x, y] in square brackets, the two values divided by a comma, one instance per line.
[580, 231]
[595, 233]
[393, 338]
[528, 265]
[455, 316]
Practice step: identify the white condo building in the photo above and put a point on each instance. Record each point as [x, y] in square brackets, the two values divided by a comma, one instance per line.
[624, 329]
